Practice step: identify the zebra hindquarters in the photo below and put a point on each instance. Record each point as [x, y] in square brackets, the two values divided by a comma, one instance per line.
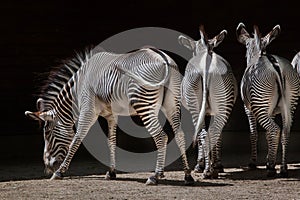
[222, 96]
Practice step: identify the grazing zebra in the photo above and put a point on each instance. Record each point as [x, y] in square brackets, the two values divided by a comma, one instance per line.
[208, 88]
[269, 86]
[109, 85]
[296, 62]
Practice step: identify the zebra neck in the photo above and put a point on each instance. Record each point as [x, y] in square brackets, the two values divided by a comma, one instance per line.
[66, 104]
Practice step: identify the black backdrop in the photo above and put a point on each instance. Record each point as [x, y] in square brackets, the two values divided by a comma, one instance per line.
[36, 34]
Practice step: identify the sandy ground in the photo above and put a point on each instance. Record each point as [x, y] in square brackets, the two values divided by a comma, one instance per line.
[22, 176]
[233, 184]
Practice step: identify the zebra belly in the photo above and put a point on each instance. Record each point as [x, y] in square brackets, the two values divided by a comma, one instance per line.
[122, 108]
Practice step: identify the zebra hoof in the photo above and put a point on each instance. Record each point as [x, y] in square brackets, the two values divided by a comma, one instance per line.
[152, 180]
[271, 173]
[251, 166]
[215, 174]
[56, 176]
[219, 168]
[110, 175]
[188, 180]
[207, 175]
[198, 169]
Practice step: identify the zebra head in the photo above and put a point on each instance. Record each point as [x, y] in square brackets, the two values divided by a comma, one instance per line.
[204, 44]
[256, 45]
[57, 136]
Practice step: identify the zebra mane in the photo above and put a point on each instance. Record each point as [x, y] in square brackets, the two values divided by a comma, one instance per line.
[60, 75]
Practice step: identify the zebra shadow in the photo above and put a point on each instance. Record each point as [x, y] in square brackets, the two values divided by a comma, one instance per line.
[261, 174]
[164, 181]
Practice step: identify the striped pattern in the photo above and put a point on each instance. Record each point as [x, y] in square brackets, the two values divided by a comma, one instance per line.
[209, 88]
[269, 87]
[106, 84]
[296, 62]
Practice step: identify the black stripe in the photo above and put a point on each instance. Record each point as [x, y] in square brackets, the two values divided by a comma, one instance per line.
[275, 65]
[161, 54]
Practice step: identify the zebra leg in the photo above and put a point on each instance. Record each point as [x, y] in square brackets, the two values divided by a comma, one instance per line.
[180, 140]
[205, 143]
[199, 168]
[284, 143]
[174, 120]
[112, 124]
[161, 140]
[86, 119]
[216, 160]
[253, 139]
[215, 130]
[272, 136]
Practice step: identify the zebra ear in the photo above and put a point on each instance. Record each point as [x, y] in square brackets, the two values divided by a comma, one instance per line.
[40, 116]
[187, 42]
[218, 38]
[271, 35]
[204, 38]
[40, 104]
[34, 115]
[242, 34]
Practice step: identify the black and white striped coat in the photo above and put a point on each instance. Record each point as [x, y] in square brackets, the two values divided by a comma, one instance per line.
[109, 85]
[208, 88]
[269, 86]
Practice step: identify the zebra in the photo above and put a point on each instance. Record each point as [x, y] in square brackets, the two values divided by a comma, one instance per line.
[296, 62]
[269, 87]
[208, 88]
[108, 85]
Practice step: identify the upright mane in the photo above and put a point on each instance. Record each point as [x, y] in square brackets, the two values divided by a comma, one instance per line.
[60, 75]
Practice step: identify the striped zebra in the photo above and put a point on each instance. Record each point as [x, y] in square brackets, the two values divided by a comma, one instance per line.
[296, 62]
[108, 85]
[208, 88]
[269, 86]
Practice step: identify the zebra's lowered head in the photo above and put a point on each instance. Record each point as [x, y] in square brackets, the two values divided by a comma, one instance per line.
[56, 148]
[256, 45]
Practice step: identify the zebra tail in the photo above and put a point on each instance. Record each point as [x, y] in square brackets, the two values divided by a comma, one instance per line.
[286, 110]
[204, 98]
[145, 82]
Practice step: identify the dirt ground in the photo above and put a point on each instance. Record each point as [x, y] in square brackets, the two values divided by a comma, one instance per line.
[233, 184]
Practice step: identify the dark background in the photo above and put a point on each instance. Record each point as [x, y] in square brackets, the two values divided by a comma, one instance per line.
[35, 35]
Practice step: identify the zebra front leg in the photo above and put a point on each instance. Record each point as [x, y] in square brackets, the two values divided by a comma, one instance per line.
[112, 124]
[86, 120]
[253, 139]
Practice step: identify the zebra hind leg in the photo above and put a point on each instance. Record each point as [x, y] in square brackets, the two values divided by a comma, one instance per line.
[180, 140]
[272, 140]
[253, 139]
